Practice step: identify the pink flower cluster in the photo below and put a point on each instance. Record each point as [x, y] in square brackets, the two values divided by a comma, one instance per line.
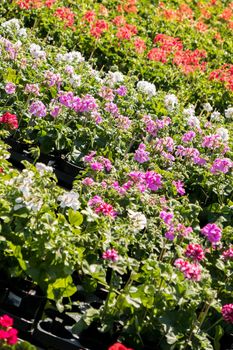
[173, 227]
[38, 109]
[195, 252]
[8, 334]
[101, 207]
[211, 141]
[110, 254]
[179, 185]
[212, 232]
[97, 163]
[221, 165]
[227, 313]
[122, 189]
[191, 153]
[153, 126]
[149, 180]
[228, 254]
[10, 88]
[83, 104]
[188, 136]
[141, 155]
[191, 271]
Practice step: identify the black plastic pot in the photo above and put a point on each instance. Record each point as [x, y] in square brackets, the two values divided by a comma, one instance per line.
[68, 168]
[16, 146]
[57, 334]
[23, 301]
[92, 339]
[226, 342]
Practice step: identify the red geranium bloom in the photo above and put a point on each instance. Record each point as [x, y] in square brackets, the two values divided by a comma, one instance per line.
[10, 119]
[66, 15]
[89, 16]
[118, 346]
[98, 28]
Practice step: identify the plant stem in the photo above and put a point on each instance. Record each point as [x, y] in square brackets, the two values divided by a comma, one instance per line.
[213, 325]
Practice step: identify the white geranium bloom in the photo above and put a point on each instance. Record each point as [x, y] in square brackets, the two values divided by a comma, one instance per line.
[12, 24]
[70, 200]
[229, 113]
[91, 215]
[189, 112]
[170, 101]
[194, 122]
[70, 57]
[207, 107]
[146, 88]
[75, 80]
[223, 133]
[138, 220]
[42, 168]
[36, 52]
[114, 78]
[34, 204]
[22, 32]
[215, 116]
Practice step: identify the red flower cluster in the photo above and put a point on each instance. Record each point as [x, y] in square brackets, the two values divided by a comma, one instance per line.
[8, 334]
[66, 15]
[168, 45]
[139, 45]
[184, 12]
[129, 6]
[227, 14]
[34, 4]
[119, 21]
[9, 119]
[118, 346]
[224, 75]
[98, 27]
[126, 32]
[189, 61]
[89, 16]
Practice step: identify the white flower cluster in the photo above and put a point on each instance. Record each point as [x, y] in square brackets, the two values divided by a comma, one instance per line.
[36, 52]
[24, 184]
[70, 57]
[192, 120]
[42, 168]
[138, 220]
[207, 107]
[229, 113]
[171, 102]
[146, 88]
[70, 200]
[114, 78]
[223, 133]
[13, 26]
[215, 116]
[75, 80]
[189, 112]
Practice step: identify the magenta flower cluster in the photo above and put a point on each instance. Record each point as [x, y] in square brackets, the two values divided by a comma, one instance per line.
[194, 252]
[110, 254]
[221, 165]
[212, 232]
[97, 163]
[101, 207]
[191, 271]
[227, 313]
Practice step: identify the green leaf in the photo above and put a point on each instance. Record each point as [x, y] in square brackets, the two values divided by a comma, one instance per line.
[218, 335]
[75, 218]
[62, 287]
